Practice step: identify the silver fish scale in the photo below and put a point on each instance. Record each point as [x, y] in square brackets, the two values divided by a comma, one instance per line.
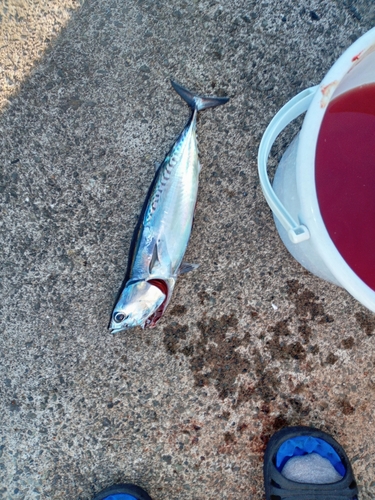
[164, 174]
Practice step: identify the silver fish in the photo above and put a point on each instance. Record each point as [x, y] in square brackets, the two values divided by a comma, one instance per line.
[163, 230]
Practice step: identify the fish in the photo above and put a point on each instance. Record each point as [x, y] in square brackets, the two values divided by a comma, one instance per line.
[163, 230]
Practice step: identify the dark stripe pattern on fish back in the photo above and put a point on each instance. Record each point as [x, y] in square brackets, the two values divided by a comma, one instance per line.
[164, 173]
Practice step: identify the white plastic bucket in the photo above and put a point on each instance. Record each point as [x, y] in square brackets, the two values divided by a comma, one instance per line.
[293, 198]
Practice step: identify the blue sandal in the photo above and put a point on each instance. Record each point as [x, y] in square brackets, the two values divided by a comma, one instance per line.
[299, 441]
[123, 492]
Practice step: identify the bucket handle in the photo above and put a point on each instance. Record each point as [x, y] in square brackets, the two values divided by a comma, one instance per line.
[289, 112]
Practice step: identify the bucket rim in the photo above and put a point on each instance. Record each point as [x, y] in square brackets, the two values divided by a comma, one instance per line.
[310, 214]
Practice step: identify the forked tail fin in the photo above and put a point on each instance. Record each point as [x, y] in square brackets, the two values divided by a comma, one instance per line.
[196, 101]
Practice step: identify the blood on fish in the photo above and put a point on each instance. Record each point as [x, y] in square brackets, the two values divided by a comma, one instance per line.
[161, 284]
[163, 287]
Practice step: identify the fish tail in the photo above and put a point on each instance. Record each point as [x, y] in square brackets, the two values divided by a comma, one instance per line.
[197, 102]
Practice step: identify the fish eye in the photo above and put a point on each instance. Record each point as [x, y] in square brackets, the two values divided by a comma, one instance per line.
[118, 317]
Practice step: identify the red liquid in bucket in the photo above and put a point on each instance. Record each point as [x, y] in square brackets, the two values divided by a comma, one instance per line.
[345, 178]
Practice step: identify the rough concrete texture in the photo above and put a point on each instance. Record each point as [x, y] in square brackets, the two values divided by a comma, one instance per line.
[251, 341]
[27, 28]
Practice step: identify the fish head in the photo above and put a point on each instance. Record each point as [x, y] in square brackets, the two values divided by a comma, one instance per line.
[137, 303]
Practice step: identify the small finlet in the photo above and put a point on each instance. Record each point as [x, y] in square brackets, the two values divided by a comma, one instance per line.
[185, 267]
[198, 102]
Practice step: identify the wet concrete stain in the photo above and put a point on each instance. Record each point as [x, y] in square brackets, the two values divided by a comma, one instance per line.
[279, 348]
[308, 309]
[178, 310]
[215, 358]
[173, 334]
[331, 359]
[203, 296]
[229, 437]
[308, 305]
[366, 321]
[346, 407]
[270, 425]
[347, 343]
[266, 387]
[263, 384]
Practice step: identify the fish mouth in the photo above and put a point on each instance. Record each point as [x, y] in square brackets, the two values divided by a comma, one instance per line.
[119, 329]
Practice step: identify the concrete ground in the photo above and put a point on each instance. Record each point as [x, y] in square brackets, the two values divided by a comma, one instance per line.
[251, 341]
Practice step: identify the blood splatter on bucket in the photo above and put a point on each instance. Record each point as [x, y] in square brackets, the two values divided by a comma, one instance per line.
[321, 196]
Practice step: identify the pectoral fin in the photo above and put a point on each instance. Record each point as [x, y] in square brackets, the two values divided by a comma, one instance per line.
[185, 267]
[154, 258]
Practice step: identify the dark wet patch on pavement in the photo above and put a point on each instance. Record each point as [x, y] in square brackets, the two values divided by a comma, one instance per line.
[347, 343]
[225, 356]
[280, 349]
[346, 407]
[178, 310]
[308, 305]
[215, 357]
[173, 333]
[366, 321]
